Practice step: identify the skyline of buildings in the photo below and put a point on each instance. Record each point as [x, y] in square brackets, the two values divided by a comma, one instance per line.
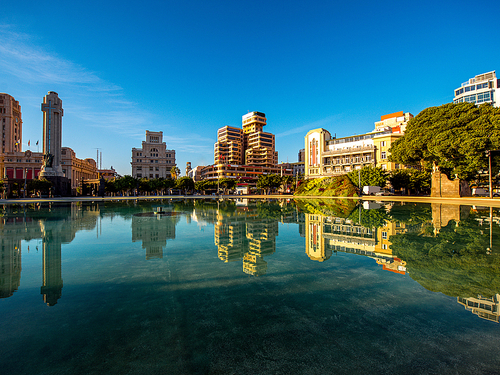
[247, 147]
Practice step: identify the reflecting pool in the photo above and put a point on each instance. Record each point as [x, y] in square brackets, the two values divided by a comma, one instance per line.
[249, 287]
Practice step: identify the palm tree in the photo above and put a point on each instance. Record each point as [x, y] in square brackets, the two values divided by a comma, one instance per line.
[175, 172]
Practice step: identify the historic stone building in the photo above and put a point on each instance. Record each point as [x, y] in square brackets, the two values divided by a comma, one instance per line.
[152, 160]
[55, 163]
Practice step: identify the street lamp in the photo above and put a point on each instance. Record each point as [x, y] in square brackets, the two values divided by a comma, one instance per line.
[489, 154]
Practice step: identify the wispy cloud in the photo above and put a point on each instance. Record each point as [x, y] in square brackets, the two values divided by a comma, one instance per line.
[323, 123]
[88, 97]
[30, 63]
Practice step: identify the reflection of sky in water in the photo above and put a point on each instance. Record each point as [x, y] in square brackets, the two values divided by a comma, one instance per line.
[184, 310]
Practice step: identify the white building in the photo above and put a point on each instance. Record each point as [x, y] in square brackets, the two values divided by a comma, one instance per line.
[153, 160]
[483, 88]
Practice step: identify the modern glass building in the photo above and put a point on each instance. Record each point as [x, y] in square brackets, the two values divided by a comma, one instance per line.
[483, 88]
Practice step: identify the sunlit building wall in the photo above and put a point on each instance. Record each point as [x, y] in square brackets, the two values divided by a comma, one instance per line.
[330, 156]
[152, 160]
[483, 88]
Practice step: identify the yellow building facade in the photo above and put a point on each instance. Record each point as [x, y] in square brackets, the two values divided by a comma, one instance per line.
[330, 156]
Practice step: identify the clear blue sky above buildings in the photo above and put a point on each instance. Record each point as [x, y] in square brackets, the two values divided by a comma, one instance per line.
[189, 67]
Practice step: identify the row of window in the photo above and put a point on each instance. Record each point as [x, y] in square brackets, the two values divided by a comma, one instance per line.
[472, 88]
[153, 154]
[139, 168]
[476, 98]
[139, 175]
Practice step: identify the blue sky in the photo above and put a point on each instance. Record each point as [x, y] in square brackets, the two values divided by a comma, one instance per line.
[188, 68]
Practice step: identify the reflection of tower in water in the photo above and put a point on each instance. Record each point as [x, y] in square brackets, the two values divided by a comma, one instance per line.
[230, 237]
[52, 274]
[242, 235]
[261, 237]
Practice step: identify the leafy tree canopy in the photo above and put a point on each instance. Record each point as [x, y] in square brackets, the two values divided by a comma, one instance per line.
[185, 183]
[452, 136]
[370, 176]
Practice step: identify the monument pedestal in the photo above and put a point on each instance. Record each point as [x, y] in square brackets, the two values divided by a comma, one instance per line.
[61, 184]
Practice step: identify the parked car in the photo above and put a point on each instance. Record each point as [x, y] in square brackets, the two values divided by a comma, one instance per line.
[384, 192]
[480, 192]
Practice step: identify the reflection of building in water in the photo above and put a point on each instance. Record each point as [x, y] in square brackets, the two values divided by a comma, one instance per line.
[230, 237]
[243, 235]
[55, 225]
[10, 265]
[328, 234]
[261, 237]
[154, 231]
[486, 308]
[51, 265]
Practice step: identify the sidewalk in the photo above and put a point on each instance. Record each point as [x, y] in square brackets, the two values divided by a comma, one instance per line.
[469, 201]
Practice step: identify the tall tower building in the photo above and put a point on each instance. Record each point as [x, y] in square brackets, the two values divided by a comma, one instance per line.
[483, 88]
[259, 145]
[52, 135]
[12, 124]
[229, 146]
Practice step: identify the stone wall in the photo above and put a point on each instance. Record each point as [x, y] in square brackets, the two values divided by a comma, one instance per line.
[442, 186]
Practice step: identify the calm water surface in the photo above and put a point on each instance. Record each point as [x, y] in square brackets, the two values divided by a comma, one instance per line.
[249, 287]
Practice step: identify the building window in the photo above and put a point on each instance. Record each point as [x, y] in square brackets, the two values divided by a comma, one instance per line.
[384, 235]
[383, 155]
[384, 246]
[382, 144]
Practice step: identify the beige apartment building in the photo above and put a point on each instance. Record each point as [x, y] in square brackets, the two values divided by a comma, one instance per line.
[12, 124]
[152, 160]
[330, 156]
[245, 153]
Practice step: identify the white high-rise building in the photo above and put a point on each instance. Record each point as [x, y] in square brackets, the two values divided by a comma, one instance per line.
[483, 88]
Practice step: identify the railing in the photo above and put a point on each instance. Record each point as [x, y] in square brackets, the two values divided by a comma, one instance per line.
[352, 150]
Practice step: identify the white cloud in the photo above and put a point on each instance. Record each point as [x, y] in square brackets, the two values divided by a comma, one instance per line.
[88, 97]
[323, 123]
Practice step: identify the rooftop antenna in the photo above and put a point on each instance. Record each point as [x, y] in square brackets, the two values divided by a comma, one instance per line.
[97, 160]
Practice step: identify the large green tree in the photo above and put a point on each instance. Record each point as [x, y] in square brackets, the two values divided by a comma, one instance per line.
[268, 182]
[370, 176]
[185, 184]
[452, 136]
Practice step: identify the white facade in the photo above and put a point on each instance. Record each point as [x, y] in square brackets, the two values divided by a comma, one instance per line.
[483, 88]
[153, 160]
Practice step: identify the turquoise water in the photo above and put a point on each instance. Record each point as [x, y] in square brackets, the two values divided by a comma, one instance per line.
[249, 287]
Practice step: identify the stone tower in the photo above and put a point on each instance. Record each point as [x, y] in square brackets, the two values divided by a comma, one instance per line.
[52, 135]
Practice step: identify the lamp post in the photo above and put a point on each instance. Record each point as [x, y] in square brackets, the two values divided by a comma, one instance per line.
[490, 153]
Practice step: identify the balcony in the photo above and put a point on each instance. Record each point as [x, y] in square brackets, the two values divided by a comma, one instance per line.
[350, 151]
